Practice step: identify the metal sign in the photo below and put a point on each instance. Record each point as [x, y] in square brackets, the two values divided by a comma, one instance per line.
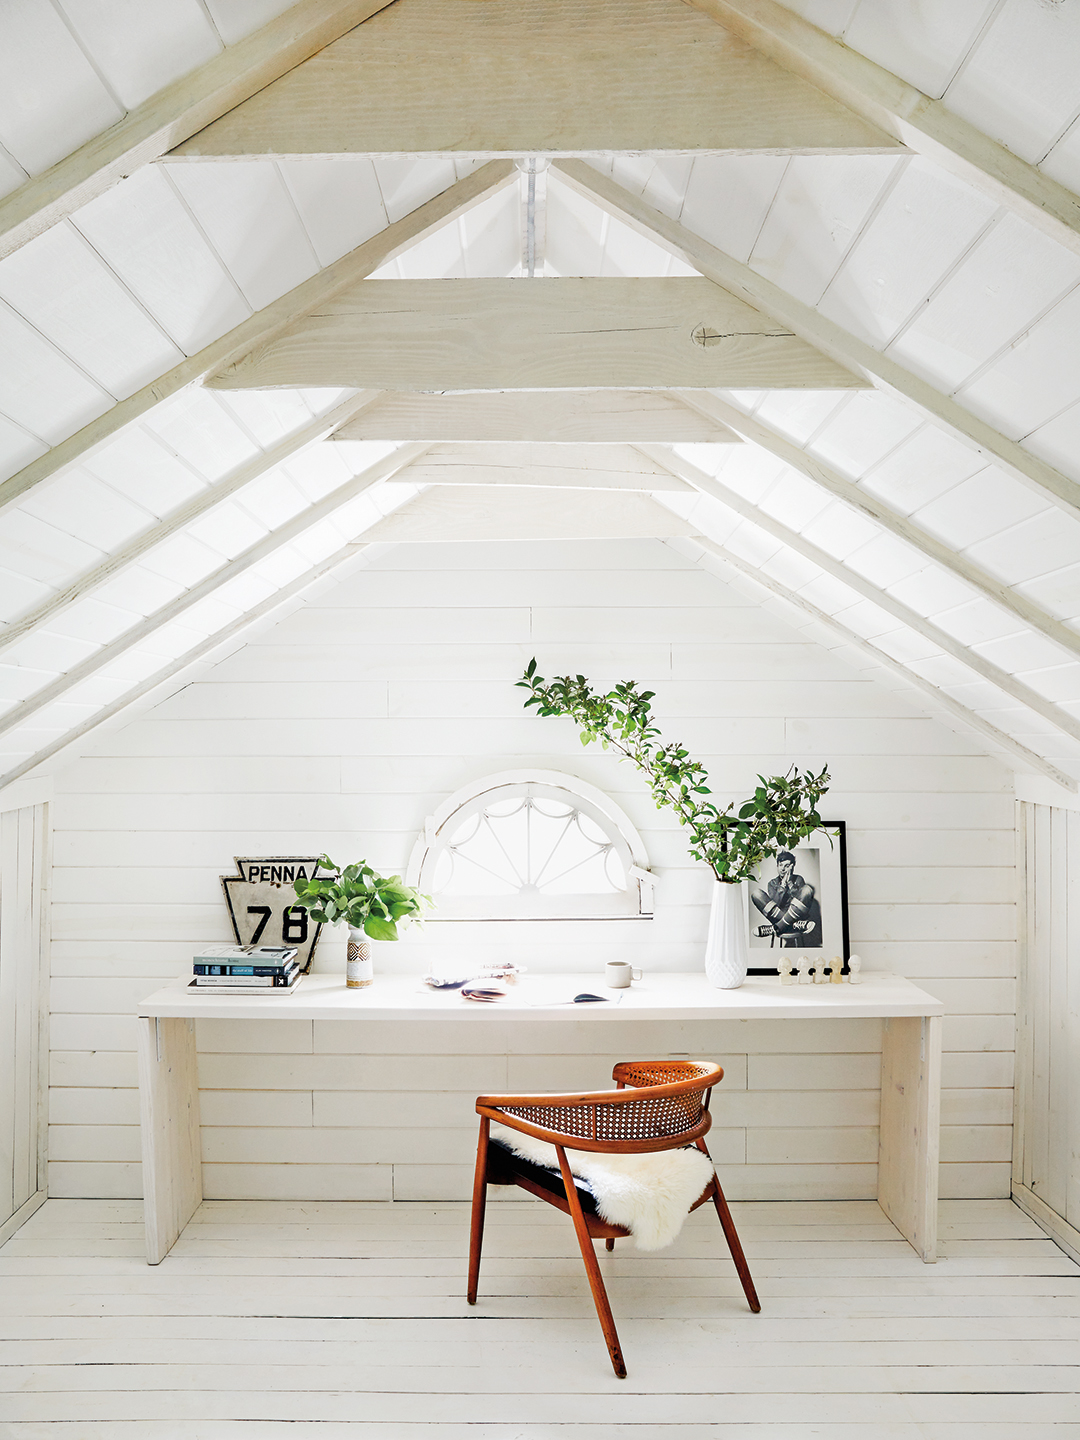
[262, 903]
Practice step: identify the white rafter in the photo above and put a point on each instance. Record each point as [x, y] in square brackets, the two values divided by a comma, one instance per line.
[266, 323]
[826, 335]
[940, 697]
[708, 485]
[183, 515]
[176, 113]
[183, 662]
[383, 469]
[754, 429]
[923, 124]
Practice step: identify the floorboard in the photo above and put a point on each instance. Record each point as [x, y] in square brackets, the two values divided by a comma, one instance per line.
[291, 1321]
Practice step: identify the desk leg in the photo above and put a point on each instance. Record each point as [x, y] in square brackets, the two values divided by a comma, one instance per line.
[910, 1124]
[169, 1110]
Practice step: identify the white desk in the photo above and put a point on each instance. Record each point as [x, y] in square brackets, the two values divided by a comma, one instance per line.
[910, 1063]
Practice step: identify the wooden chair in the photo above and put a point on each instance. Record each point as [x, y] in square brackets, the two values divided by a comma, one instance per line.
[665, 1107]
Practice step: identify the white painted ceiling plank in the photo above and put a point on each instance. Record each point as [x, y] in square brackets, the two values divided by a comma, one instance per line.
[148, 131]
[1011, 746]
[140, 48]
[922, 539]
[824, 560]
[928, 126]
[165, 555]
[160, 676]
[817, 329]
[265, 323]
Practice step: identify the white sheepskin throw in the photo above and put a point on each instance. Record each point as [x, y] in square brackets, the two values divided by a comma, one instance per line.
[649, 1195]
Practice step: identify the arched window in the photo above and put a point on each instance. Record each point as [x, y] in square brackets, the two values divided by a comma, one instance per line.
[532, 845]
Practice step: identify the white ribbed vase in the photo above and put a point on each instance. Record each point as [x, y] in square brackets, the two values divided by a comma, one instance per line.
[726, 949]
[359, 969]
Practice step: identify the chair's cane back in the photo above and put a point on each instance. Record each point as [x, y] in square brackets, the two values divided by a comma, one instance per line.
[665, 1107]
[659, 1105]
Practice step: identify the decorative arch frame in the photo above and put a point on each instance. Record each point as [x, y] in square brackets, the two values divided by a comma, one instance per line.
[634, 902]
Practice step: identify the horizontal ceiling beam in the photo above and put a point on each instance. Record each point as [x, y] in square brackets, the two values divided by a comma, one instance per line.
[940, 698]
[182, 516]
[437, 77]
[184, 662]
[923, 124]
[535, 465]
[175, 113]
[253, 555]
[265, 323]
[535, 335]
[559, 416]
[826, 335]
[753, 429]
[731, 500]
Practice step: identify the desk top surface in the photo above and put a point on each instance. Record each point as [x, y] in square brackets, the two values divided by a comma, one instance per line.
[550, 998]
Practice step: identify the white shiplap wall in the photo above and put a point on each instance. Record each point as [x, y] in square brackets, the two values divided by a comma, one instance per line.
[342, 727]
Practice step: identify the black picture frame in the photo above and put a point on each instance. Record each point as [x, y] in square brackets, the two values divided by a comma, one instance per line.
[836, 894]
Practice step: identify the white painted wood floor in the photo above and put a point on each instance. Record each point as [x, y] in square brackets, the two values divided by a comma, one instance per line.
[334, 1320]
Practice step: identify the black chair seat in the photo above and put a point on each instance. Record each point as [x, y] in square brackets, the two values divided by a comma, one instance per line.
[502, 1162]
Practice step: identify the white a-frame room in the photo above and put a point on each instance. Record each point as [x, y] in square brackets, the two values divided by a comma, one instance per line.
[539, 719]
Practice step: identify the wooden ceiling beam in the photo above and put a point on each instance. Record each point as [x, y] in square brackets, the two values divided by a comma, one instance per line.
[266, 323]
[554, 416]
[555, 77]
[535, 335]
[175, 113]
[731, 500]
[253, 555]
[832, 339]
[182, 516]
[940, 698]
[754, 430]
[923, 124]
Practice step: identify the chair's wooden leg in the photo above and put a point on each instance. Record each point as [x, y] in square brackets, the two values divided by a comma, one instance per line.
[610, 1243]
[479, 1206]
[733, 1241]
[592, 1268]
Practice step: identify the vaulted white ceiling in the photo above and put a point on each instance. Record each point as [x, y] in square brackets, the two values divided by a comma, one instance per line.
[922, 519]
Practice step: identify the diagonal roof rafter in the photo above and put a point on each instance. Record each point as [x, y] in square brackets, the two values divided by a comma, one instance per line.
[803, 320]
[925, 125]
[383, 469]
[84, 584]
[754, 430]
[261, 327]
[176, 113]
[1005, 682]
[941, 698]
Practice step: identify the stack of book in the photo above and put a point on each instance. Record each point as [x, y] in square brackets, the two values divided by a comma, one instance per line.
[274, 968]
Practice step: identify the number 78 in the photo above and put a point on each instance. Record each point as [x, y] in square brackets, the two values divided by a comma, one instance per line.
[294, 923]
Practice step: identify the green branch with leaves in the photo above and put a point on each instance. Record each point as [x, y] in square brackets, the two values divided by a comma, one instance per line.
[733, 843]
[361, 898]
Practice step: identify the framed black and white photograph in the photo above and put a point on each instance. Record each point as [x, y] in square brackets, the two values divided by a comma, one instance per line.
[798, 902]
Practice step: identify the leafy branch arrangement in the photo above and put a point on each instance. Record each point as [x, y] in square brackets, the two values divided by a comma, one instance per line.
[361, 898]
[781, 812]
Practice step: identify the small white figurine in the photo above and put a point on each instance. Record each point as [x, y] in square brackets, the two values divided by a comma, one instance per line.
[786, 977]
[854, 966]
[804, 972]
[837, 976]
[820, 978]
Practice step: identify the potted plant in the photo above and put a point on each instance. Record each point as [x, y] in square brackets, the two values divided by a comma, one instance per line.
[370, 904]
[731, 841]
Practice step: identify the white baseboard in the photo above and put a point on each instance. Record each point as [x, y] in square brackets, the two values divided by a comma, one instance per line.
[25, 1210]
[1059, 1230]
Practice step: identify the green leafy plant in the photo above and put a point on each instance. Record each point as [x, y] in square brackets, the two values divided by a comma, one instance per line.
[361, 898]
[732, 842]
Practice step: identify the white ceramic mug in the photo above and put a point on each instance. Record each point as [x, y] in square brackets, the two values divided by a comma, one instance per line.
[618, 974]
